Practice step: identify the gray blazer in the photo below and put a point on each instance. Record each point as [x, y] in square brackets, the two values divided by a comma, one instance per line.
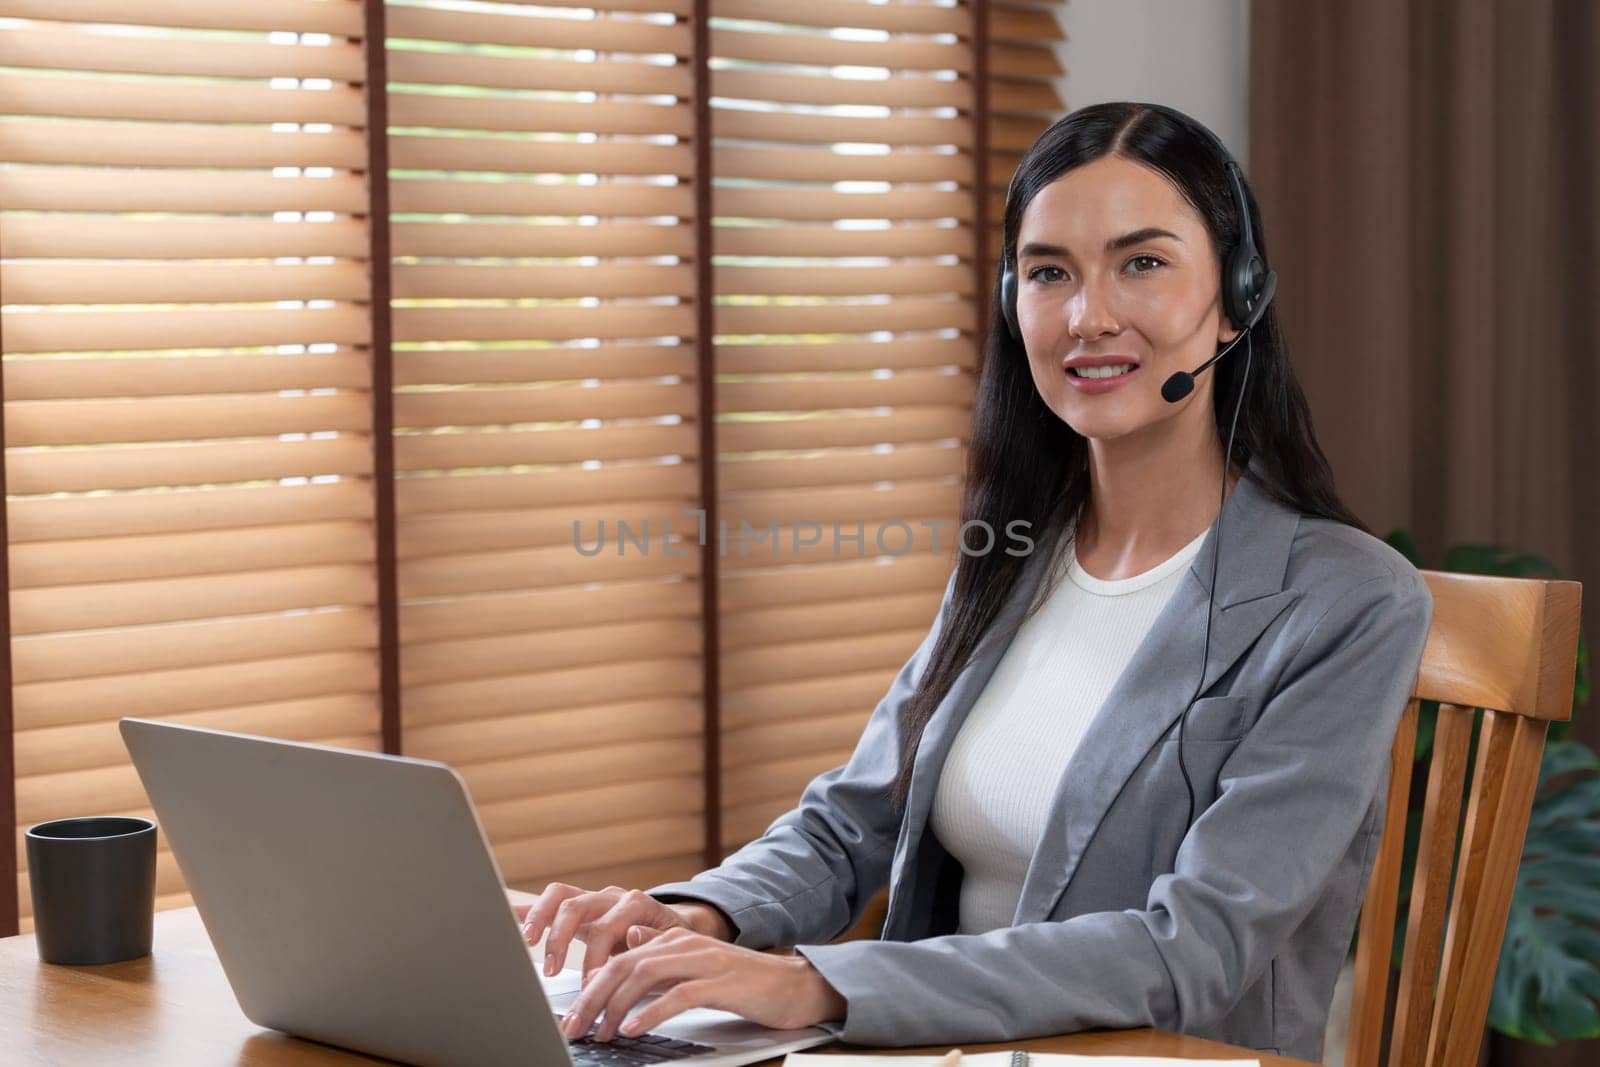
[1235, 931]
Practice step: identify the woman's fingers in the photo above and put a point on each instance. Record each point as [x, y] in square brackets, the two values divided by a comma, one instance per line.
[537, 918]
[680, 998]
[571, 914]
[608, 935]
[621, 982]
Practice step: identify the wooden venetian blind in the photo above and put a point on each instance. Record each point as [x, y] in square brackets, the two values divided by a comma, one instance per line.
[847, 333]
[187, 409]
[190, 351]
[542, 198]
[1024, 70]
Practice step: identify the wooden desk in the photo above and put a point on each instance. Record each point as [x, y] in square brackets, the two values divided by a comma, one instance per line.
[174, 1007]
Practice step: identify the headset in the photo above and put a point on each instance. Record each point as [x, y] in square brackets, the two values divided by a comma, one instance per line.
[1248, 287]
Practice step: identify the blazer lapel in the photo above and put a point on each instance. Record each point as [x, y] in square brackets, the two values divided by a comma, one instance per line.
[1155, 688]
[1152, 691]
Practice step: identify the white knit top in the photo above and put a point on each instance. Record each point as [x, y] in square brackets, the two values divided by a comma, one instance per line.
[1007, 759]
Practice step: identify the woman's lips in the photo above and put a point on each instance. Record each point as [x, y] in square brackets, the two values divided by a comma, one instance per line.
[1098, 385]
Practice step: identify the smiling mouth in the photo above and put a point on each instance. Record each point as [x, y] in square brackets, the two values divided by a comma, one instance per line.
[1101, 373]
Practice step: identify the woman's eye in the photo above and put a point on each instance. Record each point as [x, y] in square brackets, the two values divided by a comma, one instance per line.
[1033, 275]
[1151, 259]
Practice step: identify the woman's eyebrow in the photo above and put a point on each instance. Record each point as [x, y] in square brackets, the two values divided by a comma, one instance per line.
[1038, 248]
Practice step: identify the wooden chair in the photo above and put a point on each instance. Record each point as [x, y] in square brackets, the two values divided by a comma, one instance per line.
[1508, 646]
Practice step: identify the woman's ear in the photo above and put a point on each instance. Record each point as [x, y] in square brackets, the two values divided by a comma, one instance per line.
[1225, 329]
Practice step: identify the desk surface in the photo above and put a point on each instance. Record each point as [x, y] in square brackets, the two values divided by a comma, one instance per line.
[174, 1008]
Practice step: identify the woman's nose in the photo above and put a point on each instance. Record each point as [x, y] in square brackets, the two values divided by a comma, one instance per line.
[1090, 314]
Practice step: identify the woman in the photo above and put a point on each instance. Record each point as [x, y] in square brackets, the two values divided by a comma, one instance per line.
[1027, 785]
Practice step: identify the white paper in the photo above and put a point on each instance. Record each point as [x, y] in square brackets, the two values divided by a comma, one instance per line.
[1003, 1059]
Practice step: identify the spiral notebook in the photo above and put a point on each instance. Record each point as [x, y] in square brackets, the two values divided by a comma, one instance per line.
[1015, 1058]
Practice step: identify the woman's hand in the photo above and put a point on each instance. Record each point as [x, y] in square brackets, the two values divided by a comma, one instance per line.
[692, 970]
[599, 919]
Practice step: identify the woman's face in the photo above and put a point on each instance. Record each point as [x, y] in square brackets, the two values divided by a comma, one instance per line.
[1152, 299]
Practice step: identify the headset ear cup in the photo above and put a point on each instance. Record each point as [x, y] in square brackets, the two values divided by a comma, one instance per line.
[1008, 302]
[1241, 285]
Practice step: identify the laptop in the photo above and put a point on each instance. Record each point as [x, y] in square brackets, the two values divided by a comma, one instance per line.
[353, 900]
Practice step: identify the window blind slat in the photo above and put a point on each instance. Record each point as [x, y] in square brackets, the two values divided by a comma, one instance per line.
[516, 448]
[50, 517]
[813, 165]
[88, 470]
[815, 49]
[117, 559]
[56, 749]
[87, 422]
[33, 140]
[72, 49]
[574, 646]
[487, 71]
[500, 112]
[491, 153]
[820, 622]
[904, 425]
[489, 529]
[538, 610]
[549, 404]
[843, 467]
[89, 237]
[82, 331]
[828, 243]
[466, 240]
[841, 580]
[55, 657]
[828, 14]
[463, 366]
[904, 389]
[813, 735]
[855, 356]
[79, 700]
[89, 607]
[104, 189]
[538, 198]
[825, 204]
[301, 16]
[43, 282]
[552, 322]
[625, 842]
[498, 738]
[845, 281]
[829, 129]
[487, 572]
[781, 86]
[567, 34]
[913, 313]
[549, 773]
[482, 281]
[128, 98]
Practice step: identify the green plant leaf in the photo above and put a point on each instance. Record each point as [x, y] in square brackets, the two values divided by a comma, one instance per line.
[1563, 758]
[1427, 722]
[1401, 541]
[1547, 984]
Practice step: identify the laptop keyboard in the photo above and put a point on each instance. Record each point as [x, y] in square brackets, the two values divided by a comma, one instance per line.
[626, 1051]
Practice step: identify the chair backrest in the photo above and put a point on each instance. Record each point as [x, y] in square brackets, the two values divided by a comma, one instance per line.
[1509, 647]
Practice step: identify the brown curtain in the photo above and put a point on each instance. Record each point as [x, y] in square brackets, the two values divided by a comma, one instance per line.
[1427, 177]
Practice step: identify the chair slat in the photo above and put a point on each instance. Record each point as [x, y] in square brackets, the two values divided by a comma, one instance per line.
[1430, 886]
[1374, 942]
[1497, 822]
[1508, 646]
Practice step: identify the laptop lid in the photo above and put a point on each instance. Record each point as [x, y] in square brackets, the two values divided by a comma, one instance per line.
[314, 869]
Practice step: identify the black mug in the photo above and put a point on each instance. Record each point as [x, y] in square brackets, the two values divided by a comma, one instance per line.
[94, 888]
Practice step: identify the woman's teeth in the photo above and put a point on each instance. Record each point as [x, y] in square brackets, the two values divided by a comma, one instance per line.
[1102, 372]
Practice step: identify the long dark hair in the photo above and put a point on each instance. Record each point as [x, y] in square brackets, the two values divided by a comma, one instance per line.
[1024, 462]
